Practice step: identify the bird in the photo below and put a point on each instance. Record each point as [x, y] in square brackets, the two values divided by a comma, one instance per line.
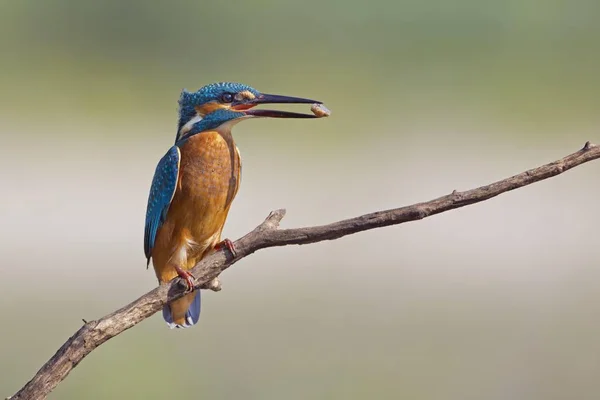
[195, 182]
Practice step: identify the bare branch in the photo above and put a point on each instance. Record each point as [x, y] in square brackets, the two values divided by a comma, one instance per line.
[93, 333]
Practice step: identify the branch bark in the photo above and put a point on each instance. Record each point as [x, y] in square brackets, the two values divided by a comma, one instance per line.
[93, 333]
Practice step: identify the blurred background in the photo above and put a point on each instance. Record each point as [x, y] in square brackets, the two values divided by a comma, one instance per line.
[496, 300]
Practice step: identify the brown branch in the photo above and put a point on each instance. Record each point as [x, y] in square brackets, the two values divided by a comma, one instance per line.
[93, 333]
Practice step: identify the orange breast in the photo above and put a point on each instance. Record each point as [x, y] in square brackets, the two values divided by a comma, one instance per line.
[209, 178]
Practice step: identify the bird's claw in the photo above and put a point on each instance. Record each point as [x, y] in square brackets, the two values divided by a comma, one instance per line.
[228, 244]
[187, 277]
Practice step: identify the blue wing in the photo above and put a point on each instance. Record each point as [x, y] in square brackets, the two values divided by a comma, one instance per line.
[161, 195]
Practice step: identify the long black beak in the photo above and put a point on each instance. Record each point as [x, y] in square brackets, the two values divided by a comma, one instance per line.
[277, 99]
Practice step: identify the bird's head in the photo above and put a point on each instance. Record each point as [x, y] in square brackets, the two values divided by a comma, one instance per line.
[223, 103]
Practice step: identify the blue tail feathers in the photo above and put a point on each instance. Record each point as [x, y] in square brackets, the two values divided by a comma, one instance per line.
[192, 315]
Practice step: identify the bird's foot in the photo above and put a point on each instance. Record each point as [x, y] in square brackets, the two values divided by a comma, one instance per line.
[226, 243]
[187, 277]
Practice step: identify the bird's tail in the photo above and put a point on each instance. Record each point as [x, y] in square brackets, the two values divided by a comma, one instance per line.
[183, 312]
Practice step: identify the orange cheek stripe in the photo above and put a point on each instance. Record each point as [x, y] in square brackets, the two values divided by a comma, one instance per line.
[209, 107]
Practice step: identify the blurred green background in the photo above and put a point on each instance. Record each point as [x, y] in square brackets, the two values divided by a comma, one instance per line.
[494, 301]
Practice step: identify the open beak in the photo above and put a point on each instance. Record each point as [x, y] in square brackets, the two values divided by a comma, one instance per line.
[274, 99]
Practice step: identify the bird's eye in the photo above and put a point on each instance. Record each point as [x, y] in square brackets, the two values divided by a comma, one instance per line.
[227, 98]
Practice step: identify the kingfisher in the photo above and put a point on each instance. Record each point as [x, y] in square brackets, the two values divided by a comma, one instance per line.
[195, 183]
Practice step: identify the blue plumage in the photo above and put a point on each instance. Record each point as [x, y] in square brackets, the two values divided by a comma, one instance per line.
[161, 194]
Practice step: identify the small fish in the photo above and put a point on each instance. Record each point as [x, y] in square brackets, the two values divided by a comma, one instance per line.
[320, 110]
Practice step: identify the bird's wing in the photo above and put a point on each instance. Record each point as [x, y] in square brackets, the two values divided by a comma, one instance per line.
[161, 195]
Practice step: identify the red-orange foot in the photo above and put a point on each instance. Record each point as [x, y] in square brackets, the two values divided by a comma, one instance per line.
[187, 277]
[227, 244]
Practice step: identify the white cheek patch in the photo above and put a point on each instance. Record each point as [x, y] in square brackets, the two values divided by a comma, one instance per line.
[188, 126]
